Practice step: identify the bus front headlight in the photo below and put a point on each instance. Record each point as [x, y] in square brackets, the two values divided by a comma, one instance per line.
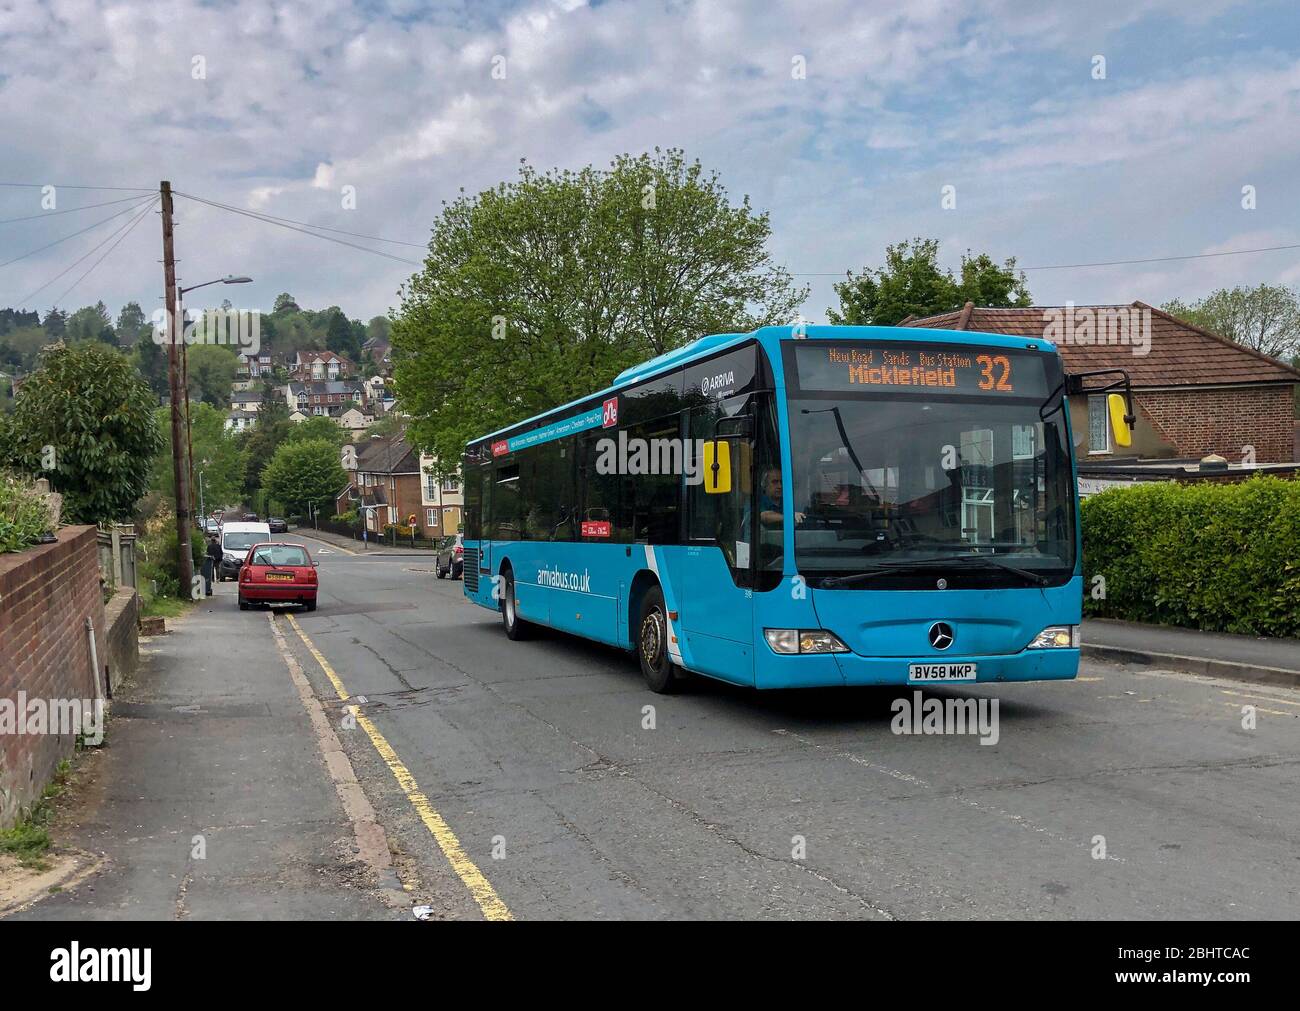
[807, 640]
[1056, 637]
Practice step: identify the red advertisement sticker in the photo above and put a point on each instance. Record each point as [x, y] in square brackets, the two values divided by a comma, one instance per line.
[595, 528]
[609, 419]
[500, 448]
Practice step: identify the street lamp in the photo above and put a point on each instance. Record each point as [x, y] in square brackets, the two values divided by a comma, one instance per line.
[185, 371]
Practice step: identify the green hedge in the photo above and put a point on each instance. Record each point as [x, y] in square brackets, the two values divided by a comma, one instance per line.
[24, 513]
[1220, 557]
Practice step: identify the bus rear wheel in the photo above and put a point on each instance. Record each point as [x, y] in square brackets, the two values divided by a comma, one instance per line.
[515, 626]
[661, 673]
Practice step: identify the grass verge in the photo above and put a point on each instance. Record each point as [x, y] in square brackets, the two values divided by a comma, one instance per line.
[29, 839]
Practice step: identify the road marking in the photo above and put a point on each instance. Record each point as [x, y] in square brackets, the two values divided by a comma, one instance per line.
[483, 892]
[1266, 698]
[1260, 709]
[326, 551]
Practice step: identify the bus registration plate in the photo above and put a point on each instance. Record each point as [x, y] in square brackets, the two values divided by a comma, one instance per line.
[941, 672]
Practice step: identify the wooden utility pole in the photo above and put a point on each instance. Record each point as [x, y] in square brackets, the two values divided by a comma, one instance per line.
[180, 467]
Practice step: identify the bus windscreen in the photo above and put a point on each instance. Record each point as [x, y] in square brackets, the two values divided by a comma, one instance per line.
[938, 369]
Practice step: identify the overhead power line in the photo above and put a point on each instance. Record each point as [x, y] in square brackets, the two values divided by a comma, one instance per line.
[69, 210]
[281, 224]
[123, 189]
[122, 234]
[73, 235]
[1105, 263]
[89, 253]
[308, 224]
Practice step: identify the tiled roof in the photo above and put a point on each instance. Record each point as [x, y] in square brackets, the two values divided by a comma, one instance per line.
[1180, 354]
[388, 456]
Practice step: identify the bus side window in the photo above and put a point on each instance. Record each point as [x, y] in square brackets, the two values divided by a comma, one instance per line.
[598, 494]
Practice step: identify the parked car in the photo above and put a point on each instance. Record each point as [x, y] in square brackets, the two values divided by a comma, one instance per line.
[277, 525]
[250, 518]
[211, 526]
[236, 539]
[451, 557]
[275, 572]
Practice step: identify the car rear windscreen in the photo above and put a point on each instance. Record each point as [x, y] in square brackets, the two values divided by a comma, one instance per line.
[280, 554]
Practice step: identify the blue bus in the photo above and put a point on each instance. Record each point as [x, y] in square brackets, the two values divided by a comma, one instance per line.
[797, 507]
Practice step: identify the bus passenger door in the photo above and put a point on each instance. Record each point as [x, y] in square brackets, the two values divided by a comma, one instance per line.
[716, 601]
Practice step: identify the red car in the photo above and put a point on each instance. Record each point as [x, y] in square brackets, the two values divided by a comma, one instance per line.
[278, 573]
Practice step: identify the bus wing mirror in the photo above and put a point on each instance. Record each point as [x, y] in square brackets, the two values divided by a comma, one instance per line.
[717, 467]
[1121, 422]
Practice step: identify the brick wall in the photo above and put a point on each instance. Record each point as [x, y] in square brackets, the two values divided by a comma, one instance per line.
[122, 650]
[46, 595]
[1203, 421]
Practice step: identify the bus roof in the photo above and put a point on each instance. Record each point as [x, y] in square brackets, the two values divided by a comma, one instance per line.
[771, 336]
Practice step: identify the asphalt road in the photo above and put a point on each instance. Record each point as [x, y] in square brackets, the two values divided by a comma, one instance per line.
[536, 757]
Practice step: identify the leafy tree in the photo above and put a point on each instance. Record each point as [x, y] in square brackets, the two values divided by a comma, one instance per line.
[544, 288]
[302, 474]
[218, 455]
[91, 323]
[1265, 318]
[97, 415]
[132, 327]
[378, 327]
[339, 337]
[317, 429]
[152, 363]
[273, 425]
[55, 324]
[12, 319]
[26, 343]
[912, 283]
[284, 303]
[211, 372]
[387, 426]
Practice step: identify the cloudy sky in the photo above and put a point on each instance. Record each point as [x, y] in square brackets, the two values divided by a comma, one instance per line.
[277, 106]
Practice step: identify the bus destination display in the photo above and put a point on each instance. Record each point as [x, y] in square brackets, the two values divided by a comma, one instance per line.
[928, 368]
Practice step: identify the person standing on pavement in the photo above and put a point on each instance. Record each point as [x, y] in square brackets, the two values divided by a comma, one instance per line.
[210, 562]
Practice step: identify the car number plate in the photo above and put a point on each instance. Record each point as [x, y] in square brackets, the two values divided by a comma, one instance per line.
[279, 577]
[941, 672]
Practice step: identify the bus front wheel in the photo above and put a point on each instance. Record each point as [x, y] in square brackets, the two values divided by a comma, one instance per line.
[661, 674]
[515, 626]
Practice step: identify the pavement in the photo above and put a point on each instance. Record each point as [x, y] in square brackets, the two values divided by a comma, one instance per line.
[1243, 657]
[359, 547]
[210, 798]
[542, 780]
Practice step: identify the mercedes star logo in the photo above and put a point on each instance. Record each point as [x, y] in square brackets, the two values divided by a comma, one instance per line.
[940, 635]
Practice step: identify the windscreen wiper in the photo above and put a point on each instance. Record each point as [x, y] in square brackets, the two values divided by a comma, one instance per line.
[922, 564]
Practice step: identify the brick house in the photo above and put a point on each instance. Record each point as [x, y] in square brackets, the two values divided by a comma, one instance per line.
[388, 478]
[1195, 393]
[307, 366]
[331, 399]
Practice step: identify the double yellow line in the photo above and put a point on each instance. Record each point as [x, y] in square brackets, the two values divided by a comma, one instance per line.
[484, 894]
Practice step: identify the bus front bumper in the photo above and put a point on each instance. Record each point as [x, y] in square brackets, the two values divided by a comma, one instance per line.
[849, 669]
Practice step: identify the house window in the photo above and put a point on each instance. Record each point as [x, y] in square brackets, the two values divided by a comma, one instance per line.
[431, 517]
[1098, 426]
[430, 487]
[450, 484]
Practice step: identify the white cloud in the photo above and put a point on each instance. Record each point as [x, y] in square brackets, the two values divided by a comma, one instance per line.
[302, 96]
